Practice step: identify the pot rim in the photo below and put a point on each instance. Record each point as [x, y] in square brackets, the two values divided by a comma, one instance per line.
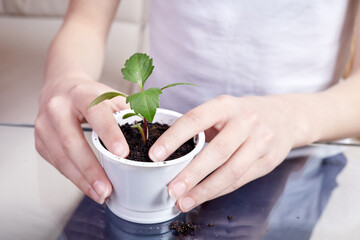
[198, 146]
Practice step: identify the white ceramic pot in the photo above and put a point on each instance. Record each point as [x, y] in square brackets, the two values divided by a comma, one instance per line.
[140, 188]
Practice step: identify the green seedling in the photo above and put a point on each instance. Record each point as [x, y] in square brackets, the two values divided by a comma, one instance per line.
[144, 103]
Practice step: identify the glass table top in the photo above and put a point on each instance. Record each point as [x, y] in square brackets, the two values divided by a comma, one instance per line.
[313, 194]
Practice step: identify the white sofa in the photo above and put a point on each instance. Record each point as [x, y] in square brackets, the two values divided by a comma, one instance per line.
[36, 200]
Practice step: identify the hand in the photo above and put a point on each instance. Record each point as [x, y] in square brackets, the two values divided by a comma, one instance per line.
[59, 137]
[248, 137]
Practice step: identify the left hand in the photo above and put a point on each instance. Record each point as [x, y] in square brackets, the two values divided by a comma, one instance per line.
[248, 137]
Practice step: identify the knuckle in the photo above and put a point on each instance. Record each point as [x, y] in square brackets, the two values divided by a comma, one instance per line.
[253, 119]
[37, 123]
[192, 176]
[100, 108]
[235, 172]
[268, 163]
[267, 134]
[235, 186]
[239, 183]
[76, 90]
[238, 168]
[203, 195]
[83, 95]
[226, 102]
[38, 126]
[84, 186]
[220, 150]
[61, 165]
[68, 142]
[60, 162]
[193, 118]
[95, 109]
[91, 173]
[54, 104]
[88, 171]
[225, 99]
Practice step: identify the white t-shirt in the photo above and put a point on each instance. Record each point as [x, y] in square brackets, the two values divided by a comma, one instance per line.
[247, 47]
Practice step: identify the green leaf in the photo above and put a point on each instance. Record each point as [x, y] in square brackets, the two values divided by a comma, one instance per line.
[136, 125]
[129, 115]
[105, 96]
[145, 103]
[138, 68]
[175, 84]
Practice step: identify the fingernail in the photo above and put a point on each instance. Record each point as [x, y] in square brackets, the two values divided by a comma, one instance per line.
[177, 190]
[157, 153]
[101, 190]
[119, 150]
[186, 204]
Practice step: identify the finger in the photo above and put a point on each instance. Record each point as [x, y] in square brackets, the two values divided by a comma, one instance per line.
[189, 125]
[117, 104]
[114, 104]
[256, 147]
[57, 157]
[223, 177]
[218, 151]
[64, 165]
[101, 118]
[259, 169]
[76, 148]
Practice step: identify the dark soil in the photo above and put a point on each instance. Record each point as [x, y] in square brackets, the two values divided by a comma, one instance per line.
[139, 150]
[183, 228]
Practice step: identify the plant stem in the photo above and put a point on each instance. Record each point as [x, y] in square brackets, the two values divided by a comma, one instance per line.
[146, 129]
[141, 132]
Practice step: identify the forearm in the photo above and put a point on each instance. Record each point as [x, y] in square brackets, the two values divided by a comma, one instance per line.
[75, 50]
[342, 109]
[78, 48]
[328, 115]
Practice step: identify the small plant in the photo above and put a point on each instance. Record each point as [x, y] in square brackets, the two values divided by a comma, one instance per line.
[144, 103]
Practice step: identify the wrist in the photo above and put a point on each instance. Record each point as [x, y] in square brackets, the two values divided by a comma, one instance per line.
[301, 111]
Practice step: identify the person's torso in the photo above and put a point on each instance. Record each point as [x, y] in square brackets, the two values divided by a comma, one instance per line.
[248, 47]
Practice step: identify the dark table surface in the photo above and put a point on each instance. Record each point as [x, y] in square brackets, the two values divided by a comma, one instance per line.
[292, 202]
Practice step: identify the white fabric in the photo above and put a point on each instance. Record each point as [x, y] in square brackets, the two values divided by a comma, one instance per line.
[247, 47]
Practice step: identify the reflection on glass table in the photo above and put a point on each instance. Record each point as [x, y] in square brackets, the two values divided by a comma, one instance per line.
[285, 204]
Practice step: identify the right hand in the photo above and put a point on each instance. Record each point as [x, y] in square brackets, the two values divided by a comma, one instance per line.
[59, 137]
